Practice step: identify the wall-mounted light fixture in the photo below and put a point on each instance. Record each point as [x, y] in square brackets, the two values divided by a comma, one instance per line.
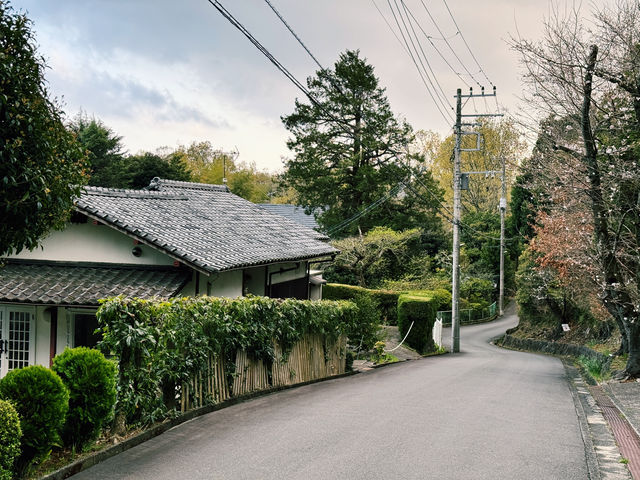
[136, 251]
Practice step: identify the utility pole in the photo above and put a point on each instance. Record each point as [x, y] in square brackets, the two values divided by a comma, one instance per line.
[457, 176]
[503, 209]
[455, 281]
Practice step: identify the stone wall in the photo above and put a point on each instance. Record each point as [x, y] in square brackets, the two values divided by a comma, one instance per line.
[554, 348]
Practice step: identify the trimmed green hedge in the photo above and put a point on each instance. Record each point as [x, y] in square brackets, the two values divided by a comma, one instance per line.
[422, 311]
[10, 434]
[386, 301]
[441, 296]
[163, 343]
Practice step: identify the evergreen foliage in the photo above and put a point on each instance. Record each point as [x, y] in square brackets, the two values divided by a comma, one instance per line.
[421, 310]
[41, 165]
[10, 434]
[350, 150]
[91, 381]
[386, 301]
[41, 400]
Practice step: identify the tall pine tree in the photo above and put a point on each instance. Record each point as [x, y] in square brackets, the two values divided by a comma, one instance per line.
[350, 151]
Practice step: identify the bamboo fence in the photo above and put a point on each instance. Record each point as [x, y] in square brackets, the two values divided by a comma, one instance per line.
[311, 358]
[209, 385]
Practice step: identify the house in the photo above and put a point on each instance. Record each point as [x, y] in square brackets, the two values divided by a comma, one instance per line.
[170, 239]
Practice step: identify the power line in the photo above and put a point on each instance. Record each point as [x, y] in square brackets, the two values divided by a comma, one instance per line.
[465, 42]
[447, 119]
[433, 20]
[226, 14]
[430, 39]
[293, 33]
[435, 78]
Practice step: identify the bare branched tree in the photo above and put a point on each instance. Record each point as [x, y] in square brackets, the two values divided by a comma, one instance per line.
[584, 86]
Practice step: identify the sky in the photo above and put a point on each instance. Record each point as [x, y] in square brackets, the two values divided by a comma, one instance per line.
[164, 73]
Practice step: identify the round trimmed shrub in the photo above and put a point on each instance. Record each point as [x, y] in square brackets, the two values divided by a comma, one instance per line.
[10, 434]
[91, 380]
[41, 400]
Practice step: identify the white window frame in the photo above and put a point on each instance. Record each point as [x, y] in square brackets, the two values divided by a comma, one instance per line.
[71, 322]
[4, 311]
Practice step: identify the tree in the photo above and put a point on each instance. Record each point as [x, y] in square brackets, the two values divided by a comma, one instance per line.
[104, 149]
[500, 140]
[211, 165]
[382, 254]
[141, 168]
[588, 82]
[41, 165]
[349, 150]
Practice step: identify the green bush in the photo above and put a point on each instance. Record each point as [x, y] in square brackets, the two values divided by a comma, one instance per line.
[10, 434]
[477, 290]
[373, 307]
[385, 301]
[160, 344]
[421, 310]
[91, 380]
[388, 305]
[440, 296]
[41, 400]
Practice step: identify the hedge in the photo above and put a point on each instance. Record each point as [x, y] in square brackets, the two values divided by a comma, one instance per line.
[441, 296]
[421, 310]
[386, 301]
[10, 434]
[161, 344]
[41, 400]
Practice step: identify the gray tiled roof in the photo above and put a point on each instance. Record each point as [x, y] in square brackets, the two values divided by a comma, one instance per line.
[81, 284]
[205, 226]
[292, 212]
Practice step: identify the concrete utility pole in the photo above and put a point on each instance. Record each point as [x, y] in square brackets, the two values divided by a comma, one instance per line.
[457, 175]
[503, 209]
[455, 281]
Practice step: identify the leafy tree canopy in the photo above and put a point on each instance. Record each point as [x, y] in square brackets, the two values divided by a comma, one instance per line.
[41, 164]
[104, 149]
[349, 150]
[208, 164]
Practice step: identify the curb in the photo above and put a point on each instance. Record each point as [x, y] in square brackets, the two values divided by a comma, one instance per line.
[581, 411]
[602, 454]
[95, 458]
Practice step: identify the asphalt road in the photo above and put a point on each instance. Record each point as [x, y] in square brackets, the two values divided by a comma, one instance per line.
[485, 413]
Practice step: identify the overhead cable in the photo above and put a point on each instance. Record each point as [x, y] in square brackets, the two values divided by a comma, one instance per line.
[466, 44]
[294, 33]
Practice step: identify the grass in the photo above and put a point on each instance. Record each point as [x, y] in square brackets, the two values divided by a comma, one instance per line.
[593, 366]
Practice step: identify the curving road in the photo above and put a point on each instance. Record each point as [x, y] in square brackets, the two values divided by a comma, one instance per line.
[485, 413]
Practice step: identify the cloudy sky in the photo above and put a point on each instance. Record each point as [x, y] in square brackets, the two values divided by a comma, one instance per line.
[166, 73]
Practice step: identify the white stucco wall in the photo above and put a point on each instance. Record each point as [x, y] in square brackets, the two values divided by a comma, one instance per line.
[93, 243]
[226, 284]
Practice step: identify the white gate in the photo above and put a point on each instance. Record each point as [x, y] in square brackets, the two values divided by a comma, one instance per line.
[437, 332]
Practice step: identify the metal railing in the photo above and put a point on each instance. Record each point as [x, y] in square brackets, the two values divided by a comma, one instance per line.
[469, 315]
